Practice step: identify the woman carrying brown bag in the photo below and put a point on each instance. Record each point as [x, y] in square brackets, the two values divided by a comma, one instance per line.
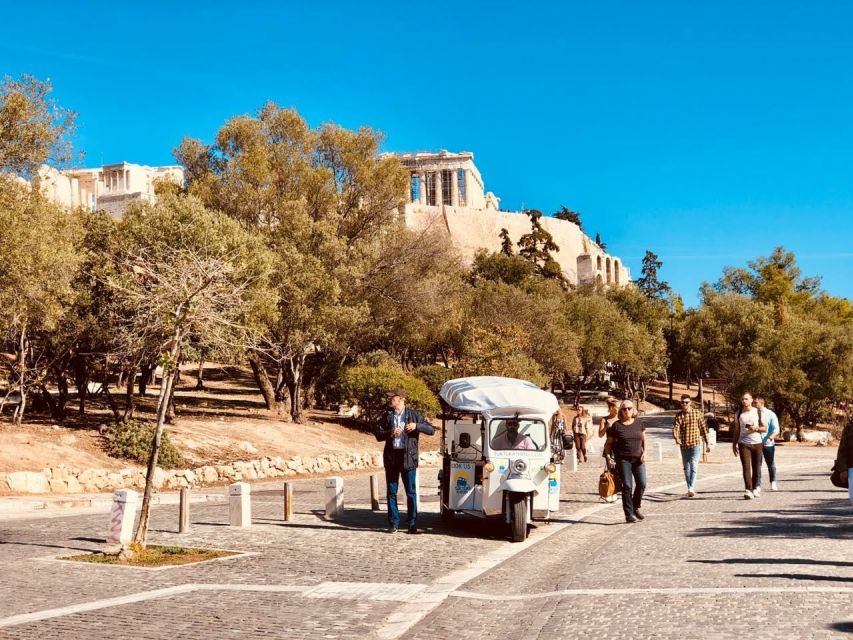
[626, 442]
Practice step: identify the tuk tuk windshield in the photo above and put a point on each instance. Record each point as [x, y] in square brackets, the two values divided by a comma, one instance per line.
[508, 434]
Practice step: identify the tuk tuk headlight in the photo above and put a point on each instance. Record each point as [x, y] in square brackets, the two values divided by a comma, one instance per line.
[519, 466]
[550, 467]
[489, 467]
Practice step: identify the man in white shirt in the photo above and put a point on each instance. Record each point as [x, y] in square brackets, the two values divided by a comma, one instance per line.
[746, 443]
[771, 420]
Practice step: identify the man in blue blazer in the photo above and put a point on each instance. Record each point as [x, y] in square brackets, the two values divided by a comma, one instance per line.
[400, 431]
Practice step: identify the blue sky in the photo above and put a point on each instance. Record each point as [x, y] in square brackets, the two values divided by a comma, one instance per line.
[708, 132]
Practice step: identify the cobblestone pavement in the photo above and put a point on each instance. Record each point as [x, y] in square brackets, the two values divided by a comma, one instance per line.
[715, 566]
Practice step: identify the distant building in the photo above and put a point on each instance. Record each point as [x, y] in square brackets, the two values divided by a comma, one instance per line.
[446, 192]
[110, 188]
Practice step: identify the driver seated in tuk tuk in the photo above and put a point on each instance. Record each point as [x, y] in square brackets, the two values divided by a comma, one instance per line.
[509, 438]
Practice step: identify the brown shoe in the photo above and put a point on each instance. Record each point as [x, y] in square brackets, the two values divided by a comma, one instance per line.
[639, 514]
[630, 518]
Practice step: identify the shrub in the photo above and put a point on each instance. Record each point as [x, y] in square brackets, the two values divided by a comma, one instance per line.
[367, 387]
[434, 375]
[132, 440]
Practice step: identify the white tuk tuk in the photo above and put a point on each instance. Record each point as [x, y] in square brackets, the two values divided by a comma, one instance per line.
[498, 457]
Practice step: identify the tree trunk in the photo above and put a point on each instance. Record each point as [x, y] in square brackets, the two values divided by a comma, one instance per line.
[199, 382]
[129, 401]
[581, 383]
[259, 372]
[295, 369]
[81, 381]
[50, 402]
[62, 399]
[162, 403]
[146, 371]
[170, 406]
[105, 387]
[701, 394]
[22, 376]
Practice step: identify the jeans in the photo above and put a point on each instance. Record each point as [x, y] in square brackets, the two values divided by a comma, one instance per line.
[770, 459]
[690, 460]
[850, 484]
[392, 483]
[633, 473]
[750, 460]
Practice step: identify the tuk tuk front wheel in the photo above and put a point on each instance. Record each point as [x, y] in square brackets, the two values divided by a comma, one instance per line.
[518, 517]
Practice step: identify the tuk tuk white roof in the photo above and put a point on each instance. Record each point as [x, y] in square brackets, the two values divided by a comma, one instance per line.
[491, 394]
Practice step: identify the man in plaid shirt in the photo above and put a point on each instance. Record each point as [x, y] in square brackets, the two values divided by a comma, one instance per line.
[690, 432]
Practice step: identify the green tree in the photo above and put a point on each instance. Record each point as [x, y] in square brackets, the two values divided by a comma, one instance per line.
[327, 200]
[38, 242]
[564, 213]
[506, 243]
[775, 279]
[598, 241]
[649, 282]
[183, 272]
[537, 247]
[34, 130]
[499, 267]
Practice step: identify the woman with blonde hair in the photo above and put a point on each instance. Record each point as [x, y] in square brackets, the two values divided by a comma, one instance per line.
[581, 426]
[626, 443]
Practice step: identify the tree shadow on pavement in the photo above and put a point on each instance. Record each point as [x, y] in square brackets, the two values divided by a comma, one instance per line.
[827, 563]
[844, 627]
[795, 576]
[828, 518]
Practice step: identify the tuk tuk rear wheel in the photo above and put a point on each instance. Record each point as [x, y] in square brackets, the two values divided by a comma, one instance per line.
[518, 517]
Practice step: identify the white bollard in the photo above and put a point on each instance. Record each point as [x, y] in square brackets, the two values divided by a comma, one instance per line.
[122, 516]
[660, 451]
[334, 497]
[574, 460]
[240, 504]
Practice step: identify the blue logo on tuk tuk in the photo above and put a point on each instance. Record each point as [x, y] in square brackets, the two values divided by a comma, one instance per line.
[463, 482]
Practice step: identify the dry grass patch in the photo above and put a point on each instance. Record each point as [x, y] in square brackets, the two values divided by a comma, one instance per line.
[153, 556]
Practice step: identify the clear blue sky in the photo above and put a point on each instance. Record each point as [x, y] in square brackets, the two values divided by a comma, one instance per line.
[708, 132]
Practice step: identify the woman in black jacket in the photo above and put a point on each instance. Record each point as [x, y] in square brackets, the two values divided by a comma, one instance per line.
[844, 457]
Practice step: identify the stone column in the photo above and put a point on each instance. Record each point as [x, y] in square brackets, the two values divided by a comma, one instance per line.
[422, 194]
[439, 189]
[454, 188]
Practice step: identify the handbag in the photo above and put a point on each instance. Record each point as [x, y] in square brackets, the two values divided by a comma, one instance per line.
[835, 477]
[609, 483]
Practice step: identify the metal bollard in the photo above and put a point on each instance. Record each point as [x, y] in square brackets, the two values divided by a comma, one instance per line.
[660, 451]
[122, 516]
[288, 501]
[574, 462]
[239, 504]
[184, 511]
[374, 492]
[334, 497]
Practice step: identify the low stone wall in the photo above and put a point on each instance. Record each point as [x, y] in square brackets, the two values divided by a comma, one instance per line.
[62, 479]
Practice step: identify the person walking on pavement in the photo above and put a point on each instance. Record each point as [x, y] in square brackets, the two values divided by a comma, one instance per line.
[746, 443]
[580, 431]
[626, 442]
[768, 441]
[606, 422]
[611, 417]
[844, 457]
[400, 430]
[691, 435]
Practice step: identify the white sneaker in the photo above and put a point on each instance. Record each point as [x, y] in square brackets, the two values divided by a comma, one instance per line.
[747, 495]
[756, 493]
[774, 486]
[691, 492]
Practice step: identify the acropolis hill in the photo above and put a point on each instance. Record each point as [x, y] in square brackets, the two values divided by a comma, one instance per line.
[447, 194]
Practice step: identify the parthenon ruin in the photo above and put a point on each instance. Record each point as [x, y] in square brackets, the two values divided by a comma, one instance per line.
[446, 192]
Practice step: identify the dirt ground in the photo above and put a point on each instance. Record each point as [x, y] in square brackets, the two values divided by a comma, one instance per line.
[225, 422]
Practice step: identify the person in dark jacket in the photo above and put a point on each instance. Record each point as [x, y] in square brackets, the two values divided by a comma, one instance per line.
[400, 431]
[844, 457]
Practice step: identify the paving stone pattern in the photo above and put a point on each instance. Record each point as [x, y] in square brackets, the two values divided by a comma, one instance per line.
[797, 537]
